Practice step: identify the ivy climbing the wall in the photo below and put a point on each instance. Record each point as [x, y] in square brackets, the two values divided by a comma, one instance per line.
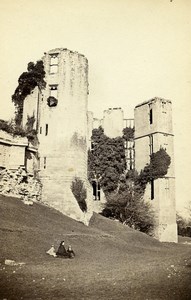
[127, 204]
[157, 168]
[124, 190]
[107, 160]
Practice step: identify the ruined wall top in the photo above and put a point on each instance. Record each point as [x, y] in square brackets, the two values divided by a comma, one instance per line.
[58, 50]
[155, 99]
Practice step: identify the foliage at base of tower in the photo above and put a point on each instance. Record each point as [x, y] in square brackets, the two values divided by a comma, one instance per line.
[126, 204]
[130, 210]
[184, 225]
[106, 161]
[79, 192]
[26, 83]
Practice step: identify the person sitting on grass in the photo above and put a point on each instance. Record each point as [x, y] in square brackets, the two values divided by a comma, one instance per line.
[61, 252]
[70, 252]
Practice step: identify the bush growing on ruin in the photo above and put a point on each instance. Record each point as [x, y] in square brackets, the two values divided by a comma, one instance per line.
[131, 211]
[26, 83]
[17, 130]
[157, 168]
[106, 160]
[11, 128]
[128, 133]
[79, 192]
[126, 204]
[124, 190]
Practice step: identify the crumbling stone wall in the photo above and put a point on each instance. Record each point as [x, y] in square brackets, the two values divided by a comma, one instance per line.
[19, 183]
[18, 168]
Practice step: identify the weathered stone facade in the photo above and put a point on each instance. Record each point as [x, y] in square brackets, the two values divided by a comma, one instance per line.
[113, 122]
[18, 167]
[12, 150]
[153, 130]
[60, 111]
[21, 184]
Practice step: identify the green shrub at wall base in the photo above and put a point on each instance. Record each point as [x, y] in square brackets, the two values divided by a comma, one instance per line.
[79, 192]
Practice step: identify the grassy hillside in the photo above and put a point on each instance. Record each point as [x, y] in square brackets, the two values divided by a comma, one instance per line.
[112, 261]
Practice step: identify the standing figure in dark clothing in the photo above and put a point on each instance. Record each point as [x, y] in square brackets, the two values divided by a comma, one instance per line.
[70, 252]
[61, 252]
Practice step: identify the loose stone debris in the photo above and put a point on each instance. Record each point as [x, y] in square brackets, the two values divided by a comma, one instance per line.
[21, 184]
[10, 262]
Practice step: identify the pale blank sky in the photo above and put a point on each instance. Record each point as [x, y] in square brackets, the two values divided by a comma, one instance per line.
[136, 50]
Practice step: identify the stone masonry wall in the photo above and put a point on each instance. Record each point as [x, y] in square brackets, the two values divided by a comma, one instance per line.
[113, 122]
[63, 130]
[153, 130]
[18, 183]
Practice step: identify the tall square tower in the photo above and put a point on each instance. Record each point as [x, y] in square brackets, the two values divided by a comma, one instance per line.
[153, 131]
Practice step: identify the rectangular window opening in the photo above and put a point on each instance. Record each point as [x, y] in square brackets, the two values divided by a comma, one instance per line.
[54, 91]
[46, 129]
[152, 189]
[40, 130]
[44, 162]
[151, 116]
[53, 63]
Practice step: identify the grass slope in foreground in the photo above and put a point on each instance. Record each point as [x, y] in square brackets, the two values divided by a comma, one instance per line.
[112, 261]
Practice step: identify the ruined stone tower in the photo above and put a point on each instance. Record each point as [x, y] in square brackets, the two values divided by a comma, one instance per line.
[153, 130]
[61, 120]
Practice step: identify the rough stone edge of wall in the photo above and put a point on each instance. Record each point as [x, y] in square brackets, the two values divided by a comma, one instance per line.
[11, 185]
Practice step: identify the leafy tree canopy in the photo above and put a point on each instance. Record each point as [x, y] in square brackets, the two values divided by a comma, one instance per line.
[107, 160]
[157, 168]
[126, 204]
[124, 190]
[128, 133]
[130, 209]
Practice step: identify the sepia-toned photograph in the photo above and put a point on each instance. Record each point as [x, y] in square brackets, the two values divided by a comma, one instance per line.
[95, 122]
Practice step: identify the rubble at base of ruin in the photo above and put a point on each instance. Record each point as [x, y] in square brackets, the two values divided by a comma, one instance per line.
[20, 184]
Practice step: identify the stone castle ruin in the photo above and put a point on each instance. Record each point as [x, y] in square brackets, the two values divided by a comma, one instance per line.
[60, 111]
[64, 128]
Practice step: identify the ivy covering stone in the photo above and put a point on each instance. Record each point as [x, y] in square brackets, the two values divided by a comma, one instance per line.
[26, 83]
[124, 189]
[107, 160]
